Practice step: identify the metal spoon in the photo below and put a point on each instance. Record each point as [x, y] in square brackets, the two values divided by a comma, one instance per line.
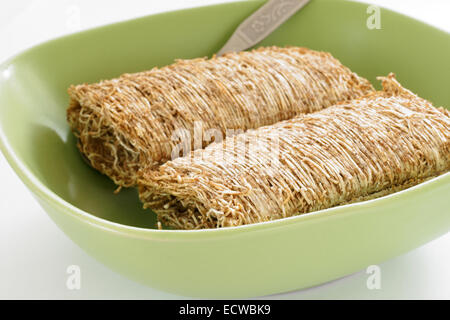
[261, 23]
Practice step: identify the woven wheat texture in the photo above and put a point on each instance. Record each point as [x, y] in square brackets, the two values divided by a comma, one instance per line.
[357, 150]
[129, 122]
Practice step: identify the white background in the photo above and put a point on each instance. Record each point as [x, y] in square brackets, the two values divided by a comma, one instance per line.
[34, 253]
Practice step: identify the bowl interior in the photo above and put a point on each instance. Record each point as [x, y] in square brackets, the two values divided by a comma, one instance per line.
[33, 85]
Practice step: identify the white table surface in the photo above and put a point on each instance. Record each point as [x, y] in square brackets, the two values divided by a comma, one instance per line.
[34, 253]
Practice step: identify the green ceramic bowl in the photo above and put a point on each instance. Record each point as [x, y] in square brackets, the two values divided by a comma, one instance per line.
[245, 261]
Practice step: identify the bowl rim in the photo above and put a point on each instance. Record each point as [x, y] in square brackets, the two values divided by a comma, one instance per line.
[41, 191]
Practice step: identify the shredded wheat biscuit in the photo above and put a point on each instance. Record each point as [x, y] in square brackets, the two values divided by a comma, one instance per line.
[127, 123]
[353, 151]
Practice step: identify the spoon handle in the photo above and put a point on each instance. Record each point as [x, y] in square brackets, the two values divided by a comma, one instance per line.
[261, 23]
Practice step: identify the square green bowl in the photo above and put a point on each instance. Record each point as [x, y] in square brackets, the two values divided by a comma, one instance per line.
[244, 261]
